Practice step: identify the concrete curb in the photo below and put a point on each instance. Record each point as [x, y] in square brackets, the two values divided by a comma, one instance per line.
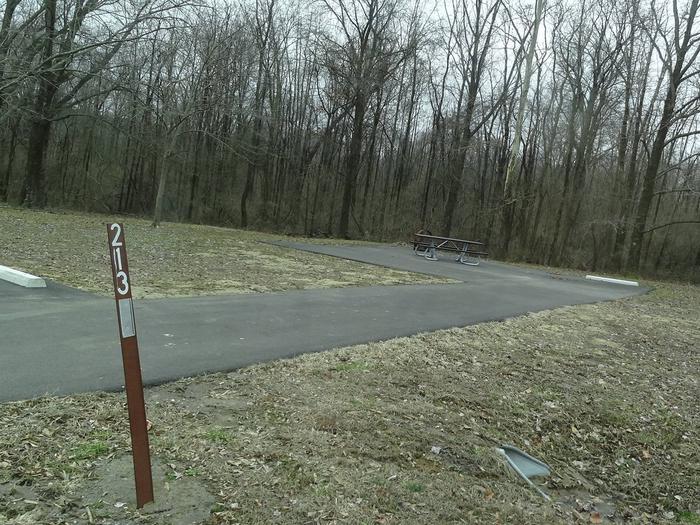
[611, 280]
[21, 278]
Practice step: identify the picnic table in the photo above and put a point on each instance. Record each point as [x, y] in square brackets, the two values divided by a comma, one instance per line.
[427, 245]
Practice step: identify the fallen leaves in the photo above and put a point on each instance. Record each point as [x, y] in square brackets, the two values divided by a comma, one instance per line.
[175, 259]
[353, 435]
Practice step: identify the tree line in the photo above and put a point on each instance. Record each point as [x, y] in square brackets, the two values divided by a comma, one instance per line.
[558, 132]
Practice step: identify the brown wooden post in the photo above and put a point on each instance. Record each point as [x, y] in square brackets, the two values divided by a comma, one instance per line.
[132, 365]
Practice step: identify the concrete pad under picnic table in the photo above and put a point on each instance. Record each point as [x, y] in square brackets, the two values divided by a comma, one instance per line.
[66, 341]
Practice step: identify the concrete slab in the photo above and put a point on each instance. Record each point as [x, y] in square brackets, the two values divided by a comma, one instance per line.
[611, 280]
[20, 278]
[52, 292]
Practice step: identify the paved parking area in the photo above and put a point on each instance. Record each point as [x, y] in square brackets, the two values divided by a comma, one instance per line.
[59, 341]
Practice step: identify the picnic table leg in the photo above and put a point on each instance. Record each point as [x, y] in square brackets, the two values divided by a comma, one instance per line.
[431, 253]
[421, 253]
[461, 259]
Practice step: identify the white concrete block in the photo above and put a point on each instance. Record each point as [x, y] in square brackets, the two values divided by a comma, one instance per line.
[21, 278]
[611, 280]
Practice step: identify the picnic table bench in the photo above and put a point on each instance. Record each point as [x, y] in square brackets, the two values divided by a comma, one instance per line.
[470, 252]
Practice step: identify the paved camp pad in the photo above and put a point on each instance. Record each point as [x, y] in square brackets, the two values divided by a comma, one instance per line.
[60, 341]
[403, 258]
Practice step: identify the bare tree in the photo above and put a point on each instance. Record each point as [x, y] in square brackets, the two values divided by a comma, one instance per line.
[514, 161]
[679, 57]
[371, 51]
[563, 133]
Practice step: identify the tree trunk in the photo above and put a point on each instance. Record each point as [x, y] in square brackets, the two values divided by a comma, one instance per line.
[163, 178]
[247, 190]
[5, 181]
[352, 166]
[682, 43]
[649, 181]
[34, 191]
[508, 198]
[35, 177]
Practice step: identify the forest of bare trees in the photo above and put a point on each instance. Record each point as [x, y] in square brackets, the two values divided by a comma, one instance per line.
[561, 132]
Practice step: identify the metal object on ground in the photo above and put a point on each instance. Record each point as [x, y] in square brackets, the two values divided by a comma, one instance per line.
[132, 365]
[431, 253]
[525, 465]
[464, 258]
[611, 280]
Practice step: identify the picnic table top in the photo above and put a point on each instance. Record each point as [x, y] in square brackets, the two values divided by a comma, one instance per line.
[447, 238]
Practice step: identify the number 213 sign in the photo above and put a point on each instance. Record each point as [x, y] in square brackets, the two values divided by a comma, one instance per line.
[121, 276]
[132, 365]
[122, 284]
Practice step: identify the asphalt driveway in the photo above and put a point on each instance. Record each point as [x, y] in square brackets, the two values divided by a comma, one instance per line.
[59, 341]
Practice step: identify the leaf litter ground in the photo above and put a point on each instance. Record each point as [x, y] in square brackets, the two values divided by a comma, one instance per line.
[402, 431]
[396, 432]
[175, 259]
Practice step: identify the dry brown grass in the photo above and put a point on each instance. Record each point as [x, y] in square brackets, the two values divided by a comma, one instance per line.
[175, 259]
[607, 394]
